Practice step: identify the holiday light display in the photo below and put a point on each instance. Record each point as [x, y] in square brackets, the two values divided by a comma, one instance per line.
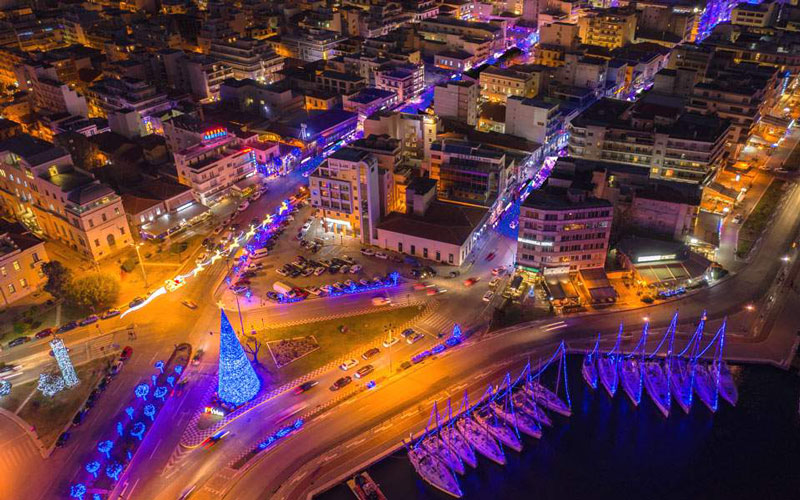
[64, 363]
[238, 382]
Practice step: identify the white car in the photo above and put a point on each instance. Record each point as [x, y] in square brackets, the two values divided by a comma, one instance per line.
[494, 282]
[381, 255]
[390, 341]
[313, 290]
[381, 301]
[356, 268]
[487, 297]
[319, 271]
[499, 271]
[306, 226]
[256, 196]
[350, 363]
[243, 206]
[367, 251]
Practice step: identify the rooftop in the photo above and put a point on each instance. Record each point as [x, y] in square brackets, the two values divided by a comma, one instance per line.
[443, 222]
[33, 151]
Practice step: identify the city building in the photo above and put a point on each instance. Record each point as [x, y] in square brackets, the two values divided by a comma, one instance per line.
[248, 58]
[405, 80]
[21, 257]
[457, 100]
[469, 172]
[159, 208]
[128, 104]
[534, 119]
[346, 190]
[42, 189]
[611, 28]
[369, 100]
[497, 84]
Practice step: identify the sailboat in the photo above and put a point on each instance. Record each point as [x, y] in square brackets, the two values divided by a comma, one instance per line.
[707, 377]
[433, 471]
[544, 396]
[479, 437]
[589, 368]
[727, 386]
[656, 372]
[456, 441]
[607, 367]
[497, 428]
[681, 374]
[525, 402]
[434, 444]
[630, 369]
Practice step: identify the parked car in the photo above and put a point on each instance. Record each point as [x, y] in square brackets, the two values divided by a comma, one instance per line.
[44, 333]
[368, 252]
[67, 327]
[110, 313]
[19, 341]
[243, 206]
[238, 290]
[340, 383]
[414, 337]
[319, 271]
[126, 353]
[407, 332]
[364, 371]
[116, 368]
[189, 303]
[300, 389]
[79, 417]
[89, 320]
[488, 296]
[356, 268]
[350, 363]
[273, 296]
[135, 302]
[381, 255]
[371, 353]
[62, 439]
[390, 341]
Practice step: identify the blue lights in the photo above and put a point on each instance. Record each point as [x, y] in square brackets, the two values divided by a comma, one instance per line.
[77, 491]
[161, 391]
[159, 366]
[141, 391]
[129, 411]
[281, 433]
[105, 447]
[138, 430]
[64, 363]
[114, 470]
[93, 467]
[238, 382]
[150, 411]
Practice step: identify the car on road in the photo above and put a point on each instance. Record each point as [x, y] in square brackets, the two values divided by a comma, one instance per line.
[88, 320]
[389, 342]
[201, 258]
[197, 357]
[110, 313]
[215, 438]
[495, 281]
[238, 290]
[381, 255]
[405, 333]
[243, 206]
[7, 369]
[67, 327]
[368, 252]
[79, 417]
[350, 363]
[491, 256]
[414, 337]
[126, 353]
[62, 439]
[135, 302]
[488, 296]
[381, 301]
[364, 371]
[420, 286]
[273, 296]
[306, 226]
[470, 281]
[341, 383]
[305, 386]
[371, 353]
[355, 268]
[738, 218]
[189, 303]
[499, 271]
[44, 333]
[218, 229]
[116, 368]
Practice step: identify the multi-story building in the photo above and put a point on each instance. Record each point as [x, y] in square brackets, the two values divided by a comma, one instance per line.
[346, 188]
[415, 132]
[248, 58]
[610, 28]
[457, 100]
[41, 187]
[21, 257]
[444, 28]
[214, 165]
[127, 103]
[405, 80]
[534, 119]
[310, 45]
[497, 84]
[369, 100]
[672, 145]
[758, 16]
[563, 230]
[469, 172]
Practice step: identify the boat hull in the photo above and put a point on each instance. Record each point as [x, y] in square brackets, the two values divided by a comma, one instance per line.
[434, 472]
[481, 440]
[589, 371]
[459, 444]
[631, 378]
[437, 447]
[525, 402]
[547, 398]
[681, 385]
[657, 385]
[521, 420]
[705, 387]
[727, 386]
[607, 371]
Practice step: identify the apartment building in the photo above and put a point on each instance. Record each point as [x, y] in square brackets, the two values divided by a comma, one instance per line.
[248, 58]
[405, 80]
[563, 230]
[128, 104]
[610, 28]
[346, 188]
[41, 188]
[672, 145]
[469, 172]
[311, 44]
[21, 257]
[497, 84]
[457, 100]
[415, 132]
[214, 165]
[534, 119]
[757, 16]
[447, 29]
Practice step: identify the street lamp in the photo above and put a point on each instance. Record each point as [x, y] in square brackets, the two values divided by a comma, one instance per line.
[141, 263]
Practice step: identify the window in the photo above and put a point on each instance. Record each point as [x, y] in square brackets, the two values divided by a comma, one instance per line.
[91, 223]
[16, 265]
[425, 253]
[122, 231]
[3, 271]
[11, 288]
[450, 258]
[400, 246]
[97, 243]
[104, 217]
[413, 250]
[36, 257]
[23, 283]
[438, 255]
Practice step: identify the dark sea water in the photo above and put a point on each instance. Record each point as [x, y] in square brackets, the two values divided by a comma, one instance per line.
[610, 450]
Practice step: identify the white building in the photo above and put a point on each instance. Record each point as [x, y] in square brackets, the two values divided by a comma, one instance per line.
[405, 80]
[458, 100]
[533, 119]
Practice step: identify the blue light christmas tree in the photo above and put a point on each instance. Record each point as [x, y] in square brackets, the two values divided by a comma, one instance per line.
[238, 382]
[64, 363]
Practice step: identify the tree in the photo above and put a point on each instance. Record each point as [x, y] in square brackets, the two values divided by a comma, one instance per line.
[94, 291]
[59, 278]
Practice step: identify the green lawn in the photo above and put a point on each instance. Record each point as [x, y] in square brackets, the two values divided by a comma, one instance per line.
[360, 330]
[758, 218]
[50, 415]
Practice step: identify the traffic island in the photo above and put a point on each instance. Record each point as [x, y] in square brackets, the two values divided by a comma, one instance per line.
[758, 219]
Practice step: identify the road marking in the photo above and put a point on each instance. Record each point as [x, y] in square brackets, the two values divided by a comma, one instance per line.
[384, 427]
[329, 457]
[130, 494]
[298, 477]
[555, 326]
[155, 448]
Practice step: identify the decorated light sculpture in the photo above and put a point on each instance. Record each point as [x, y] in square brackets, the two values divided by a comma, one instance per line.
[64, 363]
[159, 366]
[114, 470]
[395, 277]
[153, 378]
[150, 411]
[93, 467]
[237, 381]
[141, 391]
[50, 384]
[5, 388]
[160, 392]
[178, 369]
[120, 429]
[105, 447]
[138, 430]
[77, 491]
[171, 381]
[129, 411]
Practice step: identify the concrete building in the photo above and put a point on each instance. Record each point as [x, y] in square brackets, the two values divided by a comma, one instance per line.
[533, 119]
[128, 104]
[346, 189]
[159, 208]
[757, 16]
[41, 188]
[415, 132]
[563, 230]
[497, 84]
[469, 172]
[214, 166]
[21, 257]
[457, 100]
[611, 28]
[248, 58]
[405, 80]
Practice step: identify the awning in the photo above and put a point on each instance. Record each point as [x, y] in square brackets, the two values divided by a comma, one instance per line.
[603, 294]
[172, 221]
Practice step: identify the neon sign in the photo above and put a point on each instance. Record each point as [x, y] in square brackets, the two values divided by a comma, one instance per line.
[214, 133]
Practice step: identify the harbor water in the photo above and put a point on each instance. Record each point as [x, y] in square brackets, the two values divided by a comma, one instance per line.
[609, 449]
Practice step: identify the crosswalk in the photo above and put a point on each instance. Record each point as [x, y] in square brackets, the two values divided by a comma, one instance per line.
[435, 323]
[17, 454]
